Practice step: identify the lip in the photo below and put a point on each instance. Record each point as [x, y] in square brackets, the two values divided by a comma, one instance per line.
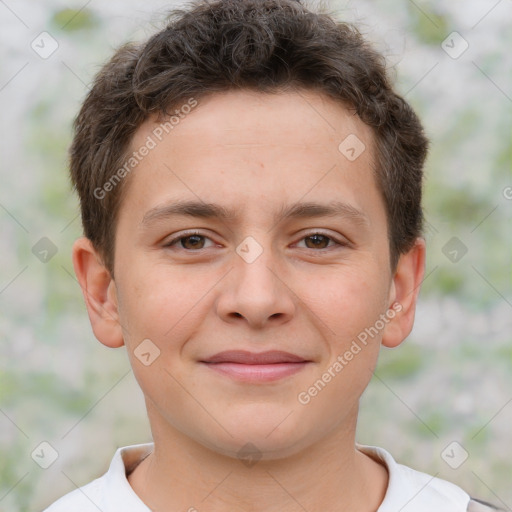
[254, 358]
[256, 367]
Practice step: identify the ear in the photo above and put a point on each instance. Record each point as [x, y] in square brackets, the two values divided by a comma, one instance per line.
[99, 292]
[403, 294]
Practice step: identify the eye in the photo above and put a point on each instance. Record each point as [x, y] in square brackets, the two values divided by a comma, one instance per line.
[321, 241]
[195, 241]
[188, 241]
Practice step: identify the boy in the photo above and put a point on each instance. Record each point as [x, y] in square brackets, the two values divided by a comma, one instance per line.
[250, 190]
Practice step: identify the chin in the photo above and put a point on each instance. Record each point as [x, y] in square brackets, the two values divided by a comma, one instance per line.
[252, 449]
[265, 437]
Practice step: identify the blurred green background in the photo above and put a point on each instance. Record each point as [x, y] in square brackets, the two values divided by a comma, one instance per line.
[451, 381]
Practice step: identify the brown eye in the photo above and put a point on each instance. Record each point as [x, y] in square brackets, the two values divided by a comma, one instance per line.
[318, 241]
[192, 242]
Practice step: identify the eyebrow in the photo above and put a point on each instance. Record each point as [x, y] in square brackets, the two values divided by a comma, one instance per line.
[199, 209]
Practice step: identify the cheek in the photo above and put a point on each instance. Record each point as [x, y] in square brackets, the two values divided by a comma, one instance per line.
[349, 311]
[163, 305]
[348, 301]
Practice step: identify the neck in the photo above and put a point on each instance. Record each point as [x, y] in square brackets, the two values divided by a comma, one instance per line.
[182, 474]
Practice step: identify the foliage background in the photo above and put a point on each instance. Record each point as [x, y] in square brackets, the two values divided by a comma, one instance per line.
[451, 381]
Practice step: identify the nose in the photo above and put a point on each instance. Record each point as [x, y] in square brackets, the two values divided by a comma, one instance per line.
[256, 292]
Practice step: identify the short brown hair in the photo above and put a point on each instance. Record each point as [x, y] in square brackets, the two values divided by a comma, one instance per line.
[263, 45]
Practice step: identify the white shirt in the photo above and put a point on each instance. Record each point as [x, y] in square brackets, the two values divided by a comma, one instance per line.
[408, 490]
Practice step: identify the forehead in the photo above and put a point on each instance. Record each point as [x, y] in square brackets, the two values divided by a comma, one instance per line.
[295, 118]
[238, 146]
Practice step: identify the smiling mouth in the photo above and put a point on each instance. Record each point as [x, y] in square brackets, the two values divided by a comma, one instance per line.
[256, 367]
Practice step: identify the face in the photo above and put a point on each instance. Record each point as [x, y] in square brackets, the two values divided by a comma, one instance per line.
[263, 277]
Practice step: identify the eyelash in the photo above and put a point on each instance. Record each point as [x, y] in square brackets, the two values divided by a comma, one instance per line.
[185, 235]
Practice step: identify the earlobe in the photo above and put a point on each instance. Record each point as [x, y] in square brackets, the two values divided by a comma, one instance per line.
[98, 289]
[404, 293]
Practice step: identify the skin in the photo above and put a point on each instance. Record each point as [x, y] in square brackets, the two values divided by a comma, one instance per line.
[253, 152]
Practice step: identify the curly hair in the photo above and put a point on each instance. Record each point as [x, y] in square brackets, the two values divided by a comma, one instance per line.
[263, 45]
